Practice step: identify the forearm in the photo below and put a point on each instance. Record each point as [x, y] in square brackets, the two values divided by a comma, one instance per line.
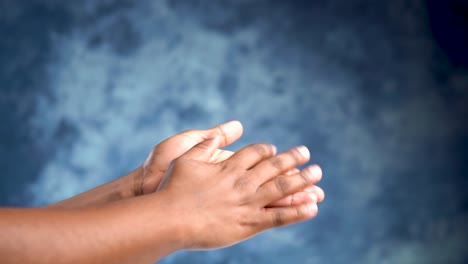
[139, 230]
[122, 188]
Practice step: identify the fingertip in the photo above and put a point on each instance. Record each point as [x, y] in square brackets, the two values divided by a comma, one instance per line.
[317, 169]
[319, 193]
[304, 151]
[309, 189]
[274, 149]
[234, 123]
[312, 209]
[315, 172]
[230, 131]
[312, 197]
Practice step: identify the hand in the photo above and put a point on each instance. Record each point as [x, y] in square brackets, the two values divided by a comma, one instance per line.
[146, 178]
[226, 202]
[165, 152]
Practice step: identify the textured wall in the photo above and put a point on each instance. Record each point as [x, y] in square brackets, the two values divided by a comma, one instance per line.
[87, 88]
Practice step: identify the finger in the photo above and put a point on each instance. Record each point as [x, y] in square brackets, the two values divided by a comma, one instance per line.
[228, 132]
[180, 143]
[319, 193]
[221, 155]
[204, 150]
[281, 216]
[282, 186]
[249, 156]
[279, 164]
[309, 189]
[292, 171]
[295, 199]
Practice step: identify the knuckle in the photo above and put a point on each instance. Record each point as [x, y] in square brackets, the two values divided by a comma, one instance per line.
[156, 151]
[175, 162]
[221, 132]
[278, 219]
[277, 163]
[242, 183]
[282, 185]
[305, 176]
[295, 155]
[301, 211]
[260, 149]
[290, 200]
[201, 148]
[224, 166]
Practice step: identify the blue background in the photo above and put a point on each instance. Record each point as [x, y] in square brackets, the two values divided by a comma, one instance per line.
[88, 87]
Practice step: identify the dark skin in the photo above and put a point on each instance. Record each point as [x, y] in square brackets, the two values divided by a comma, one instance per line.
[226, 210]
[146, 178]
[227, 200]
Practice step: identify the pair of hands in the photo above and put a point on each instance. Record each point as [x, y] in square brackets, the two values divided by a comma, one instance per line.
[194, 195]
[228, 197]
[154, 168]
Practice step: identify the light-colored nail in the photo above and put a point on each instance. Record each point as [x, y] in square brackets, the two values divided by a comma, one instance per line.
[274, 149]
[315, 171]
[312, 207]
[313, 197]
[304, 151]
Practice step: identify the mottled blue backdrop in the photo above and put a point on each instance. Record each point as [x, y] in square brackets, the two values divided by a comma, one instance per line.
[88, 87]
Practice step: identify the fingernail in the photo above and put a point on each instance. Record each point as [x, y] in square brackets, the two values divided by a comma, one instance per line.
[274, 149]
[312, 208]
[313, 197]
[304, 151]
[315, 171]
[309, 189]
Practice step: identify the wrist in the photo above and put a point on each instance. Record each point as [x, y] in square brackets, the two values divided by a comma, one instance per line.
[125, 187]
[175, 218]
[132, 183]
[154, 222]
[183, 228]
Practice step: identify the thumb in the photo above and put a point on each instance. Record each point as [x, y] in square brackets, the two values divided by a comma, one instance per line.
[204, 150]
[228, 132]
